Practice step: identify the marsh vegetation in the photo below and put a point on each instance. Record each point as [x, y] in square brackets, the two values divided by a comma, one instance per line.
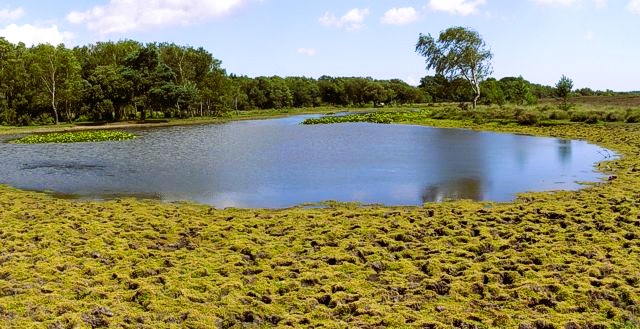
[546, 260]
[76, 137]
[563, 259]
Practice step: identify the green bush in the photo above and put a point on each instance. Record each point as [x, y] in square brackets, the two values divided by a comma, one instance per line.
[633, 116]
[24, 120]
[448, 113]
[528, 118]
[44, 119]
[82, 118]
[593, 117]
[500, 113]
[558, 115]
[614, 116]
[566, 106]
[578, 116]
[545, 108]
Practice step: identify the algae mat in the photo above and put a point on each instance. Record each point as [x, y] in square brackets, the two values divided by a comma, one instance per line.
[547, 260]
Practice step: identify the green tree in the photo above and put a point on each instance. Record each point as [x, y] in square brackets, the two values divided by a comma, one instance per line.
[56, 68]
[492, 93]
[305, 91]
[437, 87]
[458, 52]
[517, 90]
[563, 90]
[375, 93]
[109, 82]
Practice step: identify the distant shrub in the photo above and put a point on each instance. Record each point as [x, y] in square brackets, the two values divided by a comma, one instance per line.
[447, 113]
[82, 118]
[464, 106]
[558, 115]
[578, 116]
[632, 116]
[481, 117]
[24, 120]
[44, 119]
[592, 117]
[528, 118]
[566, 106]
[500, 113]
[614, 116]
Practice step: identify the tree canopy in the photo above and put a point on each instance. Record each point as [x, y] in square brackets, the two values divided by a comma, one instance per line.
[563, 90]
[458, 52]
[127, 80]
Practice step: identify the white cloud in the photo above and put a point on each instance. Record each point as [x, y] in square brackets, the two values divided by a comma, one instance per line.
[307, 51]
[588, 35]
[412, 81]
[567, 3]
[353, 20]
[33, 35]
[600, 3]
[400, 16]
[457, 7]
[7, 14]
[128, 15]
[634, 6]
[556, 2]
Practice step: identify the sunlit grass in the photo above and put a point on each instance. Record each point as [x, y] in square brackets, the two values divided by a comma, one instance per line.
[546, 260]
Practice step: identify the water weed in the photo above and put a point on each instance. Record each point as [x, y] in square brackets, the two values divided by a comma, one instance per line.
[77, 137]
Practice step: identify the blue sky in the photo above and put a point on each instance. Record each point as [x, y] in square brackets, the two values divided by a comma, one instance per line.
[594, 42]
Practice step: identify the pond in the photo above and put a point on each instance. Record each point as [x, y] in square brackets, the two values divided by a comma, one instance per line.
[280, 163]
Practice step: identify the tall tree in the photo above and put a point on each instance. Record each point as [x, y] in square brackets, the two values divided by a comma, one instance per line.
[53, 66]
[563, 90]
[458, 52]
[110, 83]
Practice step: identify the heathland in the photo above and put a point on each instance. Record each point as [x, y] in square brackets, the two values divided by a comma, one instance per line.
[546, 260]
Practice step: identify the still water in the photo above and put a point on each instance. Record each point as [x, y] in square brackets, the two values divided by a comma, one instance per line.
[280, 163]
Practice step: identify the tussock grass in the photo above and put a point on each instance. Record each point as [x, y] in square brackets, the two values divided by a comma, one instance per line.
[546, 260]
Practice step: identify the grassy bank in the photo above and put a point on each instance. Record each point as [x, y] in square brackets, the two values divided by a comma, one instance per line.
[546, 260]
[244, 115]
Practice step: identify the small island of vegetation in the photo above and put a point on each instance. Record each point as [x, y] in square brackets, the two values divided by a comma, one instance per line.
[76, 137]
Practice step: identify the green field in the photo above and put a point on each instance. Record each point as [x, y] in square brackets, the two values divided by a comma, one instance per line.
[546, 260]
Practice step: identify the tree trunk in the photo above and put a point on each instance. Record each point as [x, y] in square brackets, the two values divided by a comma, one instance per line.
[475, 99]
[53, 104]
[55, 114]
[477, 90]
[68, 110]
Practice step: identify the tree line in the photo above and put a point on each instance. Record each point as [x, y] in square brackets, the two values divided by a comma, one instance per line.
[112, 81]
[125, 80]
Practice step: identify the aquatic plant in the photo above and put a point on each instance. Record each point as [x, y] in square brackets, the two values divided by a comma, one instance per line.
[77, 137]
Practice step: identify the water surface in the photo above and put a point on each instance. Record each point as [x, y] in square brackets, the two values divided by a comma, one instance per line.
[279, 163]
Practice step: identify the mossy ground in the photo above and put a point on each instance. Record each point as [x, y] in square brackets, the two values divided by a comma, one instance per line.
[546, 260]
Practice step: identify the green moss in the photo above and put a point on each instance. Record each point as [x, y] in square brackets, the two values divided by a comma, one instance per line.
[77, 137]
[546, 260]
